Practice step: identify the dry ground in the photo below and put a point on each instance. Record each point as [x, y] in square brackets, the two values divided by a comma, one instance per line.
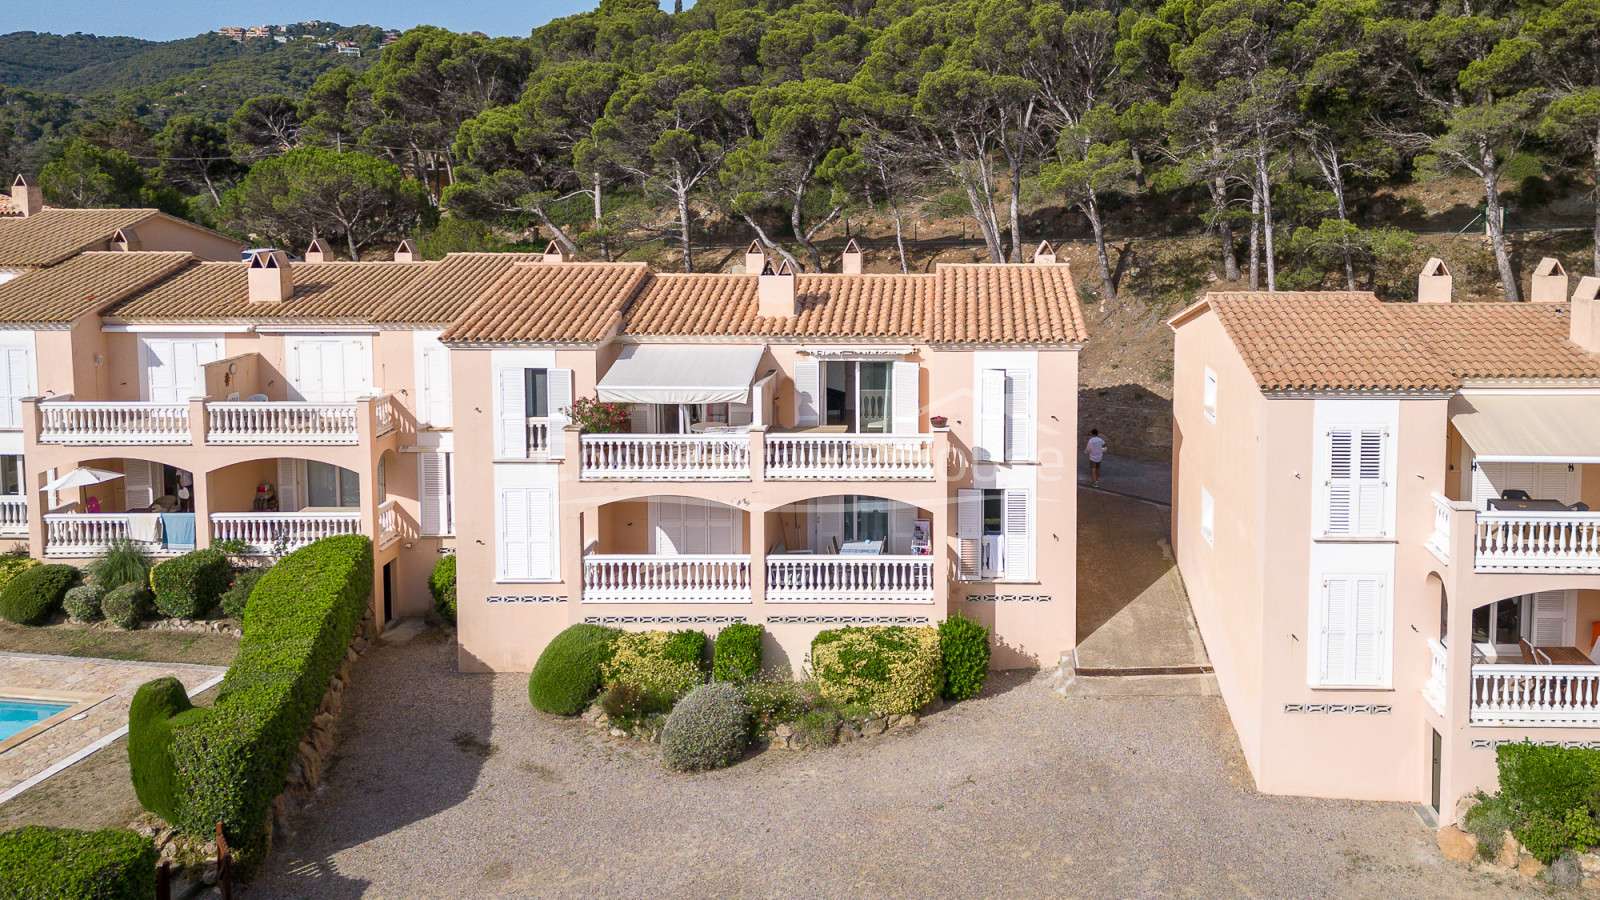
[103, 641]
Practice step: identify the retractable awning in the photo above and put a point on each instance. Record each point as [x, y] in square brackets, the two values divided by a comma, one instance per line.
[658, 373]
[1518, 428]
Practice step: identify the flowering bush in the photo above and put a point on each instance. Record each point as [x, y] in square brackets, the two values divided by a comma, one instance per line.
[595, 417]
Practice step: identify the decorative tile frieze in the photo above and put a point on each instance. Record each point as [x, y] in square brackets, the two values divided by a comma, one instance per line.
[526, 598]
[1354, 709]
[1491, 743]
[1008, 598]
[847, 620]
[663, 620]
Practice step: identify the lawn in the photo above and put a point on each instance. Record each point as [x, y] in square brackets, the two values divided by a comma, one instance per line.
[103, 642]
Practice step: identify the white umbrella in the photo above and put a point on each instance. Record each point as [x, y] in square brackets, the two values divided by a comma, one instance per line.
[80, 477]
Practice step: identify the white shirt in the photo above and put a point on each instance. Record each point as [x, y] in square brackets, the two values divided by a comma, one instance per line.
[1096, 448]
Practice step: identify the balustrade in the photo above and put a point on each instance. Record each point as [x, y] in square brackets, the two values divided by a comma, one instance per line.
[666, 579]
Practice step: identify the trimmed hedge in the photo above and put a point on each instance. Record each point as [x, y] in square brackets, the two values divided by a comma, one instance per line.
[237, 596]
[83, 602]
[150, 719]
[442, 585]
[892, 670]
[737, 653]
[33, 595]
[707, 729]
[12, 564]
[667, 662]
[1548, 780]
[40, 863]
[230, 760]
[567, 675]
[189, 586]
[964, 647]
[128, 605]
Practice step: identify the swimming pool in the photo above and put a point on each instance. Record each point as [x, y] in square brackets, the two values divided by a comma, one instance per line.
[20, 715]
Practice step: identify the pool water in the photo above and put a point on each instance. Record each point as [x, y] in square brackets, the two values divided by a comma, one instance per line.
[20, 715]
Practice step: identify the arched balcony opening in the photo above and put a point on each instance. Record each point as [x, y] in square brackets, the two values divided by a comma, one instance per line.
[273, 506]
[666, 549]
[849, 548]
[101, 501]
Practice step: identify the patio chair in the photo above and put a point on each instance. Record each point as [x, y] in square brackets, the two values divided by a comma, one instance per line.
[1580, 506]
[1514, 494]
[1527, 652]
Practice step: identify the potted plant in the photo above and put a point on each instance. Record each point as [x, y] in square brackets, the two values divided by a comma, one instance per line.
[938, 421]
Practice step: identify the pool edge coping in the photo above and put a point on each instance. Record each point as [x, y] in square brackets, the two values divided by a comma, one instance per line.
[80, 703]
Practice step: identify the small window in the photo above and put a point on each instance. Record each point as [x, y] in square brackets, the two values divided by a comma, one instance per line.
[1208, 516]
[994, 503]
[10, 475]
[1209, 403]
[537, 392]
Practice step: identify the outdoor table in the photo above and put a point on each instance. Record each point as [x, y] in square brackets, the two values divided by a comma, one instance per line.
[1500, 505]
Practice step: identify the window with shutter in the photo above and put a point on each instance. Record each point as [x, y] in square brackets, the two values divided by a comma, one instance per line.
[969, 531]
[1551, 610]
[1019, 535]
[906, 395]
[138, 482]
[433, 474]
[17, 373]
[560, 406]
[1019, 415]
[1356, 484]
[527, 540]
[991, 443]
[513, 415]
[1354, 646]
[436, 386]
[807, 393]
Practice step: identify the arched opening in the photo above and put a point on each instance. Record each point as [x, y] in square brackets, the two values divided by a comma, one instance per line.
[849, 548]
[1530, 629]
[103, 500]
[660, 548]
[276, 505]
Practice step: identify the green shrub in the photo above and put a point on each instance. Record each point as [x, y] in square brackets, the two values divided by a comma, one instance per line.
[892, 670]
[33, 595]
[1549, 780]
[11, 564]
[238, 593]
[233, 758]
[150, 720]
[630, 704]
[737, 653]
[1547, 836]
[567, 675]
[964, 648]
[818, 728]
[124, 563]
[1488, 822]
[774, 699]
[667, 662]
[708, 729]
[188, 586]
[128, 605]
[39, 863]
[83, 602]
[442, 585]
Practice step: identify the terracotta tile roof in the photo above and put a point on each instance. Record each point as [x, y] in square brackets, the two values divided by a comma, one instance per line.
[1006, 304]
[449, 288]
[569, 302]
[868, 306]
[83, 283]
[333, 292]
[54, 234]
[1338, 340]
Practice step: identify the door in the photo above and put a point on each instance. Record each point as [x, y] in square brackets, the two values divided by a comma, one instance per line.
[330, 369]
[388, 592]
[1437, 770]
[172, 367]
[685, 527]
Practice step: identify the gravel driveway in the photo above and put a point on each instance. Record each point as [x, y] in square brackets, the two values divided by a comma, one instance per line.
[452, 786]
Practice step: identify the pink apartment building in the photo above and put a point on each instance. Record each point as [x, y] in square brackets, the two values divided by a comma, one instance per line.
[804, 451]
[1381, 515]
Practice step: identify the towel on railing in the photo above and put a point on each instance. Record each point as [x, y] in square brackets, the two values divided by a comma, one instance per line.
[179, 530]
[144, 527]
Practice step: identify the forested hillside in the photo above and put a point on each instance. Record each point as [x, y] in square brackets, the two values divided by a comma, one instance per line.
[34, 61]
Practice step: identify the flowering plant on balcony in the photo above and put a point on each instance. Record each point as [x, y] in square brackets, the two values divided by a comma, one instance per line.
[595, 417]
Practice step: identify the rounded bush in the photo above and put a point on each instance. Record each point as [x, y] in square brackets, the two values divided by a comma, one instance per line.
[13, 564]
[737, 653]
[892, 670]
[567, 675]
[442, 585]
[964, 647]
[155, 775]
[34, 594]
[128, 605]
[707, 729]
[82, 603]
[665, 662]
[238, 593]
[188, 586]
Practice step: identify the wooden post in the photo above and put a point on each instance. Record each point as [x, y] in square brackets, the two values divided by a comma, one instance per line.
[164, 881]
[224, 865]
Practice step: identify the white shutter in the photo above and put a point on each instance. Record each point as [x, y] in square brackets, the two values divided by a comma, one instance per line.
[1554, 482]
[288, 486]
[1370, 484]
[1337, 625]
[513, 414]
[515, 537]
[138, 484]
[722, 529]
[1370, 633]
[1019, 415]
[1491, 480]
[901, 516]
[640, 420]
[969, 530]
[906, 390]
[1354, 632]
[1019, 535]
[807, 393]
[541, 535]
[559, 400]
[669, 527]
[829, 524]
[160, 374]
[433, 488]
[17, 373]
[1357, 488]
[356, 365]
[991, 444]
[1341, 499]
[1552, 611]
[436, 386]
[740, 414]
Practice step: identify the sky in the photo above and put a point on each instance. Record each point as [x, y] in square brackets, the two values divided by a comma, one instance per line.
[165, 20]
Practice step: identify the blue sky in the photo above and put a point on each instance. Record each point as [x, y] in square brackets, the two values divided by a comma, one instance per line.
[165, 20]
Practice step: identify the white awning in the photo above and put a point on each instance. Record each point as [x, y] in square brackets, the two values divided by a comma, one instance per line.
[658, 373]
[1523, 428]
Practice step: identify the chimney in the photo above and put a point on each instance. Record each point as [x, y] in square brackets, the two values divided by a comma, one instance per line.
[269, 278]
[126, 239]
[553, 254]
[1586, 314]
[1044, 254]
[407, 251]
[26, 196]
[1549, 282]
[775, 292]
[850, 263]
[1434, 282]
[754, 259]
[318, 251]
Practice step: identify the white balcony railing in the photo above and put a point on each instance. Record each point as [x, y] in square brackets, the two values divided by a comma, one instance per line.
[386, 418]
[665, 457]
[13, 516]
[264, 531]
[390, 525]
[1538, 541]
[1541, 696]
[538, 437]
[292, 422]
[1437, 687]
[666, 579]
[850, 456]
[72, 422]
[90, 534]
[850, 579]
[1439, 541]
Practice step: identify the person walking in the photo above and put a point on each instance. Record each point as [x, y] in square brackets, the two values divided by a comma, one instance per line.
[1096, 449]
